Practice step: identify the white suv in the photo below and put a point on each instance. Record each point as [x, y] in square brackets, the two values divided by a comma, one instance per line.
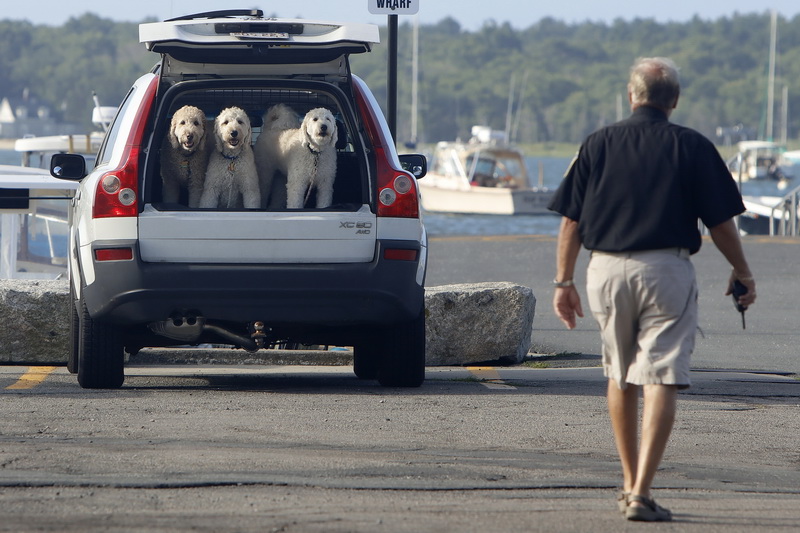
[147, 272]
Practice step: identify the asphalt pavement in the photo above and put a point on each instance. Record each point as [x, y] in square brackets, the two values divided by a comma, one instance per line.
[313, 449]
[492, 448]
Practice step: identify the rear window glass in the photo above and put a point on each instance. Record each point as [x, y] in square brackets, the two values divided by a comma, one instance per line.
[110, 141]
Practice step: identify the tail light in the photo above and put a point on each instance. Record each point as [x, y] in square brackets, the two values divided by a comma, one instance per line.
[114, 254]
[117, 192]
[397, 189]
[400, 254]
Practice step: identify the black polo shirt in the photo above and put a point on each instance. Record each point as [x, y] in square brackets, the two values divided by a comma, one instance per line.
[643, 183]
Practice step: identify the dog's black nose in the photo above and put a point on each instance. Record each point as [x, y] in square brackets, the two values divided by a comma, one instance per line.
[234, 133]
[323, 128]
[190, 137]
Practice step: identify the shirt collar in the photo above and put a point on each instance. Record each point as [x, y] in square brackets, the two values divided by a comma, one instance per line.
[653, 113]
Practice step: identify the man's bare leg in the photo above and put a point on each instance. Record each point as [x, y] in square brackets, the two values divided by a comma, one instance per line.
[658, 416]
[623, 408]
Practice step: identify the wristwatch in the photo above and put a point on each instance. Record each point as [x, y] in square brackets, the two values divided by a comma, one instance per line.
[563, 284]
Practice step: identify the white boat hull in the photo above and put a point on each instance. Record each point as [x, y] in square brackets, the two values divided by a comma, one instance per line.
[764, 215]
[485, 200]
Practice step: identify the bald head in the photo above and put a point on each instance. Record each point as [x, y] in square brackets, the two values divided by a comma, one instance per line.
[654, 82]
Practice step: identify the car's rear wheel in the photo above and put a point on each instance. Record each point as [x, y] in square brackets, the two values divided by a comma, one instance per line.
[74, 332]
[101, 358]
[366, 359]
[402, 362]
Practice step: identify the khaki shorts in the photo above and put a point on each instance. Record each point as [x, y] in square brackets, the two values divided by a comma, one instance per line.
[646, 306]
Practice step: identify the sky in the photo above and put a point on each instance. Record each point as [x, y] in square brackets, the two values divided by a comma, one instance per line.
[471, 14]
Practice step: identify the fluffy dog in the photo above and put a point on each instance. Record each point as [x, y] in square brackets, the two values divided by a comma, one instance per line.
[305, 154]
[184, 155]
[231, 166]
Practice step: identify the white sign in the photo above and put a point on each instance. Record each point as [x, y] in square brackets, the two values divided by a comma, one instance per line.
[393, 7]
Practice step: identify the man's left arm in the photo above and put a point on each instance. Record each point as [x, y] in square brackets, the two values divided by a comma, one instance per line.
[726, 239]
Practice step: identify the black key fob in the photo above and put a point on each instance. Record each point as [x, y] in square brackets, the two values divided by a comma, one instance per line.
[738, 290]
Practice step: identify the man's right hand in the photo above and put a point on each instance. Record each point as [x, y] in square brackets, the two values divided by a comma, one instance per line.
[567, 305]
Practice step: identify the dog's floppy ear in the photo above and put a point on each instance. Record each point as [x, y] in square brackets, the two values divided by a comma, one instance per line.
[248, 131]
[304, 126]
[173, 140]
[218, 143]
[335, 132]
[204, 128]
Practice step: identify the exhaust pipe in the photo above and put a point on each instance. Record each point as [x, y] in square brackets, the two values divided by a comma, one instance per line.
[189, 329]
[245, 342]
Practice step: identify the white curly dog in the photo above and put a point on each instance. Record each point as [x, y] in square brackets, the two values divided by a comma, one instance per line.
[184, 155]
[305, 153]
[231, 179]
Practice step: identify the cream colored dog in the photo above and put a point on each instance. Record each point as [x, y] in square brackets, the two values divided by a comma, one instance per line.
[231, 178]
[184, 155]
[305, 154]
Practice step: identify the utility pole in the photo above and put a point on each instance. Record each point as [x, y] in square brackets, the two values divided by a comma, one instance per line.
[392, 8]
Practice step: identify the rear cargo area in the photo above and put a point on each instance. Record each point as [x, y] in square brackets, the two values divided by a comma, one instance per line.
[172, 231]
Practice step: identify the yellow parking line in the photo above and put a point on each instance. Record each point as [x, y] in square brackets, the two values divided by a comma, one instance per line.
[489, 377]
[31, 378]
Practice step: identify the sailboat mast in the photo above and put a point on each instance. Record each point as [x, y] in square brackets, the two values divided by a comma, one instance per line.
[771, 80]
[507, 131]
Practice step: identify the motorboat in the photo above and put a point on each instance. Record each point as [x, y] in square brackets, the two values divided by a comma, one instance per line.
[483, 176]
[33, 223]
[37, 151]
[759, 160]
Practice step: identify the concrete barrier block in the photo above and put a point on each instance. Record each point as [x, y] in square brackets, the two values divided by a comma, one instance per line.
[35, 321]
[478, 322]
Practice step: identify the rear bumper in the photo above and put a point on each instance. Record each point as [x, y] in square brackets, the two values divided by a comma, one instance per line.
[380, 292]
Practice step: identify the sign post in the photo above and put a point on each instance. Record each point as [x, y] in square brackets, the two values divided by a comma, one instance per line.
[392, 8]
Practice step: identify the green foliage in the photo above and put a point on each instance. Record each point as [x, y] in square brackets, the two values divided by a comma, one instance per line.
[62, 66]
[566, 79]
[576, 75]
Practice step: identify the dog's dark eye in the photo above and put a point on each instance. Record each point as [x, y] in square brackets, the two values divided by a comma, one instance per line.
[182, 122]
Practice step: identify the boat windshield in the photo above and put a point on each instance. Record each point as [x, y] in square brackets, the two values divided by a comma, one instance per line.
[493, 170]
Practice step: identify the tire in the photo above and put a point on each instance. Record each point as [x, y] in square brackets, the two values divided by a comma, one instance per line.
[403, 359]
[74, 332]
[366, 360]
[101, 358]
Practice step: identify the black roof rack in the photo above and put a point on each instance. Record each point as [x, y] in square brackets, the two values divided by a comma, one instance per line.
[220, 14]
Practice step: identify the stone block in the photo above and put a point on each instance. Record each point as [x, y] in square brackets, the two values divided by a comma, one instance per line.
[478, 322]
[35, 321]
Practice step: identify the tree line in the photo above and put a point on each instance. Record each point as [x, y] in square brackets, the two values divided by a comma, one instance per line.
[550, 82]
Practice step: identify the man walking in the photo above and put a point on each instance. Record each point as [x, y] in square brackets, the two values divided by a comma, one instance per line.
[633, 196]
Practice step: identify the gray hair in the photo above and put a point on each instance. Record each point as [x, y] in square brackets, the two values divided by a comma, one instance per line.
[654, 81]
